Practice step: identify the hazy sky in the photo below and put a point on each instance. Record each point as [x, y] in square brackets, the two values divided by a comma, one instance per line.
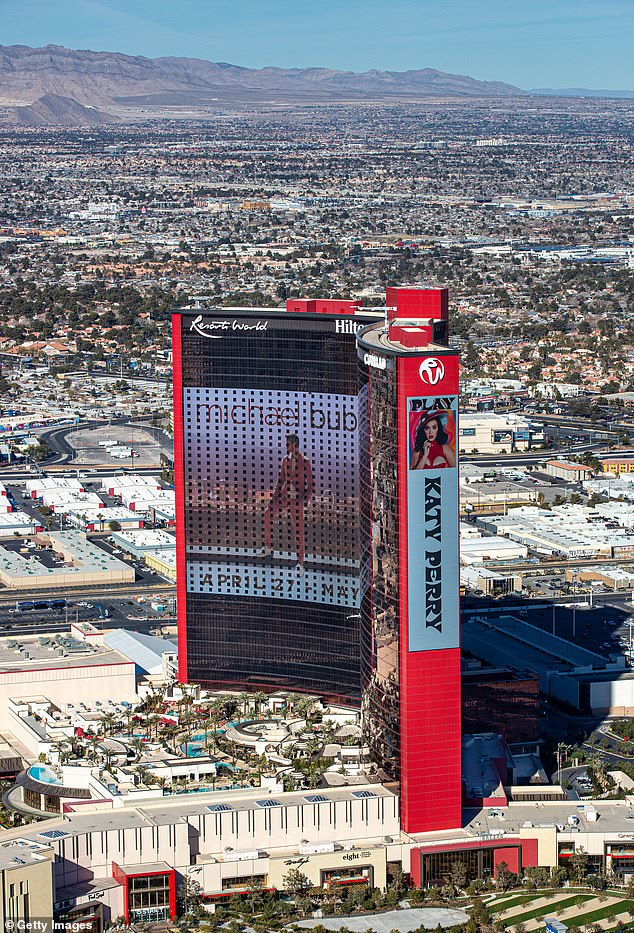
[530, 43]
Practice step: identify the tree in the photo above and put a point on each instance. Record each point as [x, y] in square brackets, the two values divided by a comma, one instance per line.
[259, 699]
[558, 876]
[597, 881]
[64, 750]
[295, 882]
[189, 897]
[114, 525]
[536, 877]
[479, 911]
[458, 873]
[578, 864]
[504, 877]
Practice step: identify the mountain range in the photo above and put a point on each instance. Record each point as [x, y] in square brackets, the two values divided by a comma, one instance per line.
[112, 82]
[54, 85]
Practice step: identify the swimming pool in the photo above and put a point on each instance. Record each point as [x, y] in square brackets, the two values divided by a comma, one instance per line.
[43, 774]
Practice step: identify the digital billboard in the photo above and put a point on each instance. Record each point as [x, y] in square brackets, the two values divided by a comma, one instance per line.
[274, 479]
[432, 522]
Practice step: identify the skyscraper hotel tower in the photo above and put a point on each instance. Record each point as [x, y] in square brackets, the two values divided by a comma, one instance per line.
[410, 655]
[316, 480]
[266, 457]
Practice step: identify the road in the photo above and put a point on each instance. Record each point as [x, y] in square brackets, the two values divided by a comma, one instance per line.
[119, 591]
[538, 566]
[63, 451]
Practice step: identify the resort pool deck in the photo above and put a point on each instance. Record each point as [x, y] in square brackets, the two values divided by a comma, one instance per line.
[43, 774]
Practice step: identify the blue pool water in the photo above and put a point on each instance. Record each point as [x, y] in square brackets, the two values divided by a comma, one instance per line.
[43, 774]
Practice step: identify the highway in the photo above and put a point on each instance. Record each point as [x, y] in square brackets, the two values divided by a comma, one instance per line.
[110, 591]
[530, 457]
[537, 566]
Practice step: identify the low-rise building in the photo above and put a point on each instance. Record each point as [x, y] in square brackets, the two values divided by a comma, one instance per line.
[16, 524]
[163, 562]
[145, 541]
[489, 432]
[64, 670]
[565, 469]
[563, 531]
[618, 463]
[99, 519]
[63, 559]
[26, 881]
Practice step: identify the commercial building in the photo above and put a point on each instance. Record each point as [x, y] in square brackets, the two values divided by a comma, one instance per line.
[571, 472]
[145, 541]
[568, 672]
[64, 670]
[227, 842]
[61, 559]
[307, 484]
[92, 519]
[163, 562]
[26, 882]
[477, 550]
[266, 460]
[18, 523]
[502, 700]
[491, 433]
[618, 463]
[563, 531]
[409, 607]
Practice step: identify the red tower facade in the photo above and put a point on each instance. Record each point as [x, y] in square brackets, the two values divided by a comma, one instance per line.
[409, 611]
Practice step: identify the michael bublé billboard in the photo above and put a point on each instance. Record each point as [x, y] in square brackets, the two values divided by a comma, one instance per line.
[432, 523]
[272, 481]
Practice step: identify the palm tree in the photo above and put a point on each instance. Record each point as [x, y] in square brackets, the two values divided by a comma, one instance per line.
[64, 750]
[245, 700]
[259, 699]
[92, 753]
[137, 745]
[152, 722]
[215, 713]
[306, 709]
[168, 735]
[128, 718]
[108, 722]
[143, 773]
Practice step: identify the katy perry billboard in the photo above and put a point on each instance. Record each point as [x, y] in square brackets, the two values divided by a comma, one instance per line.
[432, 523]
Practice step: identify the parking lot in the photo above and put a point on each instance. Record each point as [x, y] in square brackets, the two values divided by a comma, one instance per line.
[132, 612]
[146, 451]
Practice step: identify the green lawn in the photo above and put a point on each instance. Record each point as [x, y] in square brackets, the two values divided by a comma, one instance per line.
[602, 912]
[510, 900]
[547, 910]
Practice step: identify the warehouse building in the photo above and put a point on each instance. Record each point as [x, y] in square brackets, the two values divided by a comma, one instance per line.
[144, 541]
[61, 559]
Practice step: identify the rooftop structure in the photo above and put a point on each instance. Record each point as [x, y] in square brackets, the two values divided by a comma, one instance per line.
[144, 541]
[17, 523]
[63, 669]
[489, 432]
[571, 532]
